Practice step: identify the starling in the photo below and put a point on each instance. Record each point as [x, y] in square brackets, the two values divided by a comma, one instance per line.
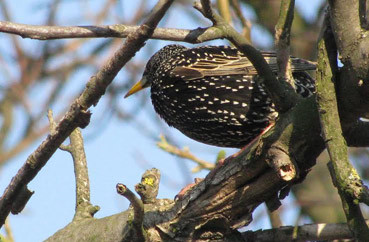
[213, 94]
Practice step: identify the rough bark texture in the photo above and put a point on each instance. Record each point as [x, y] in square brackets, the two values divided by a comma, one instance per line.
[226, 198]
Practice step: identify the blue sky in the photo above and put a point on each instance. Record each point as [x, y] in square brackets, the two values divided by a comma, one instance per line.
[119, 153]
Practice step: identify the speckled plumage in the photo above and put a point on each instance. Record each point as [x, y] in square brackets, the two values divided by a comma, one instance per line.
[212, 93]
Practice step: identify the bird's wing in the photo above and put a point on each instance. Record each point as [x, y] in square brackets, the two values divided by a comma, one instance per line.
[219, 64]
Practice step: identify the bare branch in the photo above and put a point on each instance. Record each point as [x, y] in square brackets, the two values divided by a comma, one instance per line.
[78, 114]
[224, 10]
[22, 199]
[9, 233]
[84, 208]
[356, 134]
[184, 153]
[344, 175]
[118, 31]
[275, 218]
[281, 163]
[307, 232]
[246, 24]
[353, 45]
[138, 231]
[282, 40]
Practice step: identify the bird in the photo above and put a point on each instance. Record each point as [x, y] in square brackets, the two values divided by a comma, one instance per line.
[213, 94]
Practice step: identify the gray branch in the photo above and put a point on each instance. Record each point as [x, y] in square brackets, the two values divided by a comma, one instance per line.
[108, 31]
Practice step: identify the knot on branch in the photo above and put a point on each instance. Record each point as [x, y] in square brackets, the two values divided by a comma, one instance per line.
[83, 119]
[217, 228]
[21, 200]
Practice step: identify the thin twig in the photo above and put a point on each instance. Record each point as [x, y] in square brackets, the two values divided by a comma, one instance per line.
[8, 231]
[24, 143]
[184, 153]
[282, 40]
[246, 24]
[224, 10]
[53, 125]
[275, 218]
[138, 210]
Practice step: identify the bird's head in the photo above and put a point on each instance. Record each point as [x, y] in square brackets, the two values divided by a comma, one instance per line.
[153, 65]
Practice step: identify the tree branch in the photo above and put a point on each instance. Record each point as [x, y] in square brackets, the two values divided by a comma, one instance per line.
[356, 134]
[246, 24]
[282, 40]
[78, 114]
[229, 194]
[307, 232]
[84, 208]
[224, 201]
[345, 177]
[139, 234]
[353, 45]
[184, 153]
[198, 35]
[8, 231]
[349, 34]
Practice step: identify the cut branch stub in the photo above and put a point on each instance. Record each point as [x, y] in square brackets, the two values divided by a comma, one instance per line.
[281, 163]
[148, 188]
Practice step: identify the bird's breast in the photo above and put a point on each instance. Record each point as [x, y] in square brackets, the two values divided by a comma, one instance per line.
[223, 110]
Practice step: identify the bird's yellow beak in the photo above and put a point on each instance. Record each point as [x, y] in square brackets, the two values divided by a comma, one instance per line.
[142, 84]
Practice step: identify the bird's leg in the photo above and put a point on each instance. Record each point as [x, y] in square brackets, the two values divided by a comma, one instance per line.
[246, 148]
[221, 162]
[187, 188]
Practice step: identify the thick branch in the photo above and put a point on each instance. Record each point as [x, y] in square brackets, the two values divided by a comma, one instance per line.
[78, 114]
[352, 40]
[226, 198]
[345, 177]
[228, 191]
[357, 134]
[308, 232]
[353, 45]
